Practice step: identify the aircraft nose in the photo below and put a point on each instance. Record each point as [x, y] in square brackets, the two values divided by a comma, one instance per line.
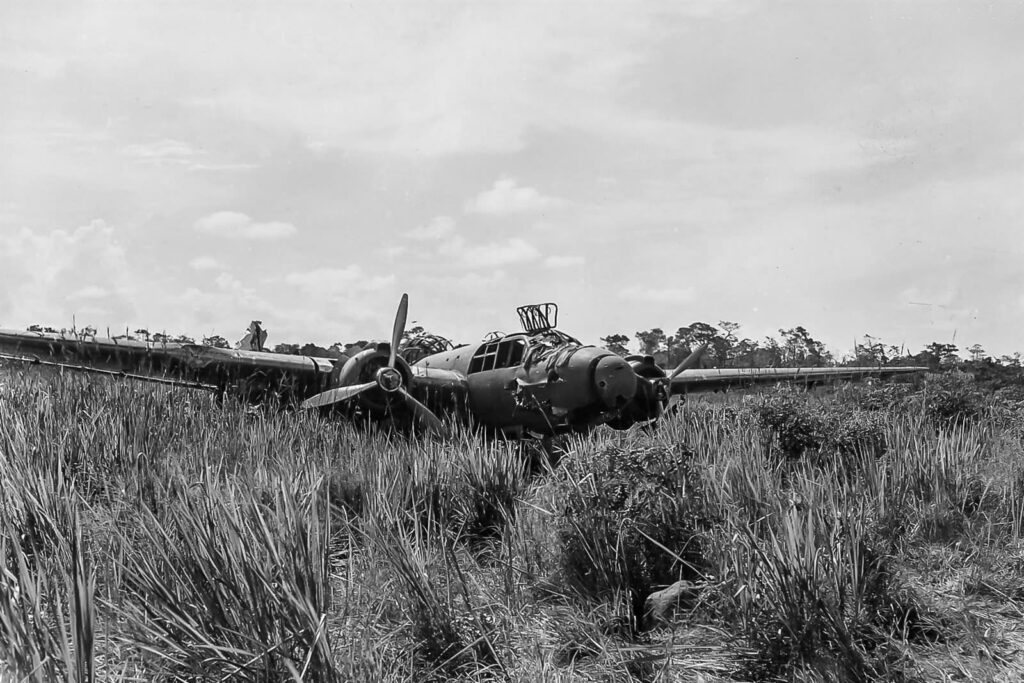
[615, 381]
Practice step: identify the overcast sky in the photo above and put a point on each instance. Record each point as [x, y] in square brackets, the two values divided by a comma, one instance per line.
[855, 168]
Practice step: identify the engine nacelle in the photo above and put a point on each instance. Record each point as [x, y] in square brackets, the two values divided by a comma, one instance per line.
[362, 368]
[651, 395]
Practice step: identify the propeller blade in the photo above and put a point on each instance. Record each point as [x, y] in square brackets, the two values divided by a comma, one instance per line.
[330, 396]
[690, 360]
[423, 414]
[396, 333]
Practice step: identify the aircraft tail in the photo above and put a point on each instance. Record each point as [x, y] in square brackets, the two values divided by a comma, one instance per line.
[254, 339]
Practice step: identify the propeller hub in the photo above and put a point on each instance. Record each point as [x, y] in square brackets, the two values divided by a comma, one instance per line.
[389, 379]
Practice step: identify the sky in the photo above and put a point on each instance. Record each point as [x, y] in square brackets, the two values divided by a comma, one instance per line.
[852, 167]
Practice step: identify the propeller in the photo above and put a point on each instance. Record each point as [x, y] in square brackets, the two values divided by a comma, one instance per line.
[690, 360]
[337, 395]
[399, 328]
[388, 379]
[423, 413]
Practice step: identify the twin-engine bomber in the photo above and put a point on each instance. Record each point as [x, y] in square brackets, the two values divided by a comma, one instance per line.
[538, 382]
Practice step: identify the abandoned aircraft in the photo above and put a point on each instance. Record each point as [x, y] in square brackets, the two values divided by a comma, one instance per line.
[538, 382]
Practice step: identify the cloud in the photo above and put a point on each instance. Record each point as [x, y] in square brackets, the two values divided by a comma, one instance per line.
[659, 295]
[222, 167]
[238, 225]
[166, 151]
[490, 255]
[50, 277]
[438, 228]
[470, 281]
[507, 197]
[337, 281]
[324, 280]
[563, 261]
[204, 263]
[394, 251]
[89, 292]
[242, 301]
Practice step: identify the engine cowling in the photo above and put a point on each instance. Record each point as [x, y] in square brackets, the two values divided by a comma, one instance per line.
[650, 398]
[364, 367]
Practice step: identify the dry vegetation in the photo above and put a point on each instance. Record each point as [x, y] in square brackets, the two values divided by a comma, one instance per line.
[150, 534]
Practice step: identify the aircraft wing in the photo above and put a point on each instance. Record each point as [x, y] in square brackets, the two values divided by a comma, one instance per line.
[192, 365]
[717, 379]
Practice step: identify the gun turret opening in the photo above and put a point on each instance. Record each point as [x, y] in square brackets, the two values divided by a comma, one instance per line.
[538, 317]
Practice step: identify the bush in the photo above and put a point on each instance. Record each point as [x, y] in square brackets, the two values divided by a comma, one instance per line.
[952, 398]
[876, 397]
[632, 522]
[797, 425]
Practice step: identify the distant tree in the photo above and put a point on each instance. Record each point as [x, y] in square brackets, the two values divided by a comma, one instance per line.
[291, 349]
[937, 355]
[412, 332]
[616, 343]
[184, 339]
[701, 332]
[687, 339]
[800, 349]
[35, 328]
[871, 351]
[355, 347]
[746, 354]
[143, 333]
[215, 341]
[160, 338]
[770, 353]
[1011, 361]
[729, 340]
[977, 352]
[336, 350]
[651, 341]
[729, 330]
[310, 349]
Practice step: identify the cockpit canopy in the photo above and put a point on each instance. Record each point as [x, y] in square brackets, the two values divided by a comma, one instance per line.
[501, 353]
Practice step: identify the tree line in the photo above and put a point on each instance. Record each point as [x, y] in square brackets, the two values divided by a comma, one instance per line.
[794, 347]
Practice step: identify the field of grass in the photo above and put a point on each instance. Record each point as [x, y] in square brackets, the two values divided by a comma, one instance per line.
[151, 534]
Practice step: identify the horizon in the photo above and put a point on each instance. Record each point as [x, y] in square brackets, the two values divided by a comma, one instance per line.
[835, 354]
[853, 168]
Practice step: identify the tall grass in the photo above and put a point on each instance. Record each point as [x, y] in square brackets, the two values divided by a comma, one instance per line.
[152, 534]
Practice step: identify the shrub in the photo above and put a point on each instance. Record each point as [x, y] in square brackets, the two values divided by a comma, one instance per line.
[787, 417]
[797, 424]
[632, 521]
[952, 398]
[876, 397]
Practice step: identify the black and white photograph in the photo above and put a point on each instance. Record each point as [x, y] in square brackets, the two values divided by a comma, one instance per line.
[480, 340]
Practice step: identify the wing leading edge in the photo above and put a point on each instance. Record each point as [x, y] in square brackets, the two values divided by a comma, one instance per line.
[716, 379]
[170, 363]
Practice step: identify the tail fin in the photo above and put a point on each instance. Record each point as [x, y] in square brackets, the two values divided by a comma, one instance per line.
[254, 339]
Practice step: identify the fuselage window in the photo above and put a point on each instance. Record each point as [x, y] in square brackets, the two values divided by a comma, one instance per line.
[500, 354]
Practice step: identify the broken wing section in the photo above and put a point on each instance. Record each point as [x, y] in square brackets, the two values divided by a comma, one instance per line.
[718, 379]
[250, 374]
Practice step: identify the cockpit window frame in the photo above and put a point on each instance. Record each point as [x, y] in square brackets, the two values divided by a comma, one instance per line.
[499, 354]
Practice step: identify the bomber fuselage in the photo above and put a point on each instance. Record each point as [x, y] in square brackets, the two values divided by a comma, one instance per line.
[545, 383]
